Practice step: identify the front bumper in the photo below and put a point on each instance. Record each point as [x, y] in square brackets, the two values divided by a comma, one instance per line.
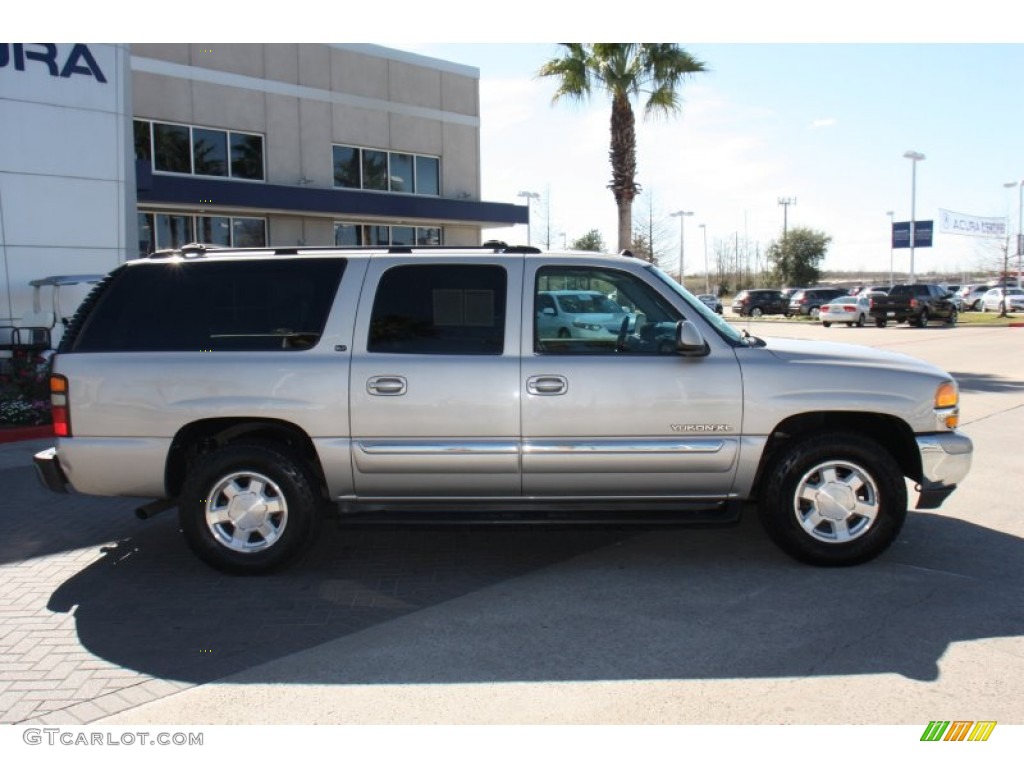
[945, 461]
[49, 471]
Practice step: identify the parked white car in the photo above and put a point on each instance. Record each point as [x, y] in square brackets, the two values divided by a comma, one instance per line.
[852, 310]
[578, 314]
[994, 299]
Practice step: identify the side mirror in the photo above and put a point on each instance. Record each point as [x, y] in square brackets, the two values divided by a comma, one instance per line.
[549, 311]
[689, 341]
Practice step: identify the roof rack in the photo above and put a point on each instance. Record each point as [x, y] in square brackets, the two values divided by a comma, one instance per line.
[198, 250]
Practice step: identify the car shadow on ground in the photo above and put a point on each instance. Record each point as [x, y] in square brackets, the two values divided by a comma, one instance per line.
[986, 382]
[492, 604]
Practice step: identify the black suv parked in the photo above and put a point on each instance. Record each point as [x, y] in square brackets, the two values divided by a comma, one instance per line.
[759, 302]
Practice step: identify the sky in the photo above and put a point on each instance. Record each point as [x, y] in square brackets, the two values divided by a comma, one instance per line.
[802, 100]
[823, 124]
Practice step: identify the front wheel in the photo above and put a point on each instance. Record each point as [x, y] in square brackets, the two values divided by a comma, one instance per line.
[922, 319]
[861, 321]
[953, 317]
[249, 507]
[833, 499]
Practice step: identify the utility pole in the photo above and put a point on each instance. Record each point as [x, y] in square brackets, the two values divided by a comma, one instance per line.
[682, 247]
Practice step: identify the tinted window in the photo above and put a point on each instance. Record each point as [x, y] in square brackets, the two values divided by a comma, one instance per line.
[439, 309]
[210, 306]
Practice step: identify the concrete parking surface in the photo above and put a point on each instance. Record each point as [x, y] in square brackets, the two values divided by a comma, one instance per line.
[107, 619]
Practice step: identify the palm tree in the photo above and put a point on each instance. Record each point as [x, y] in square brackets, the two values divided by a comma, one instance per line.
[625, 71]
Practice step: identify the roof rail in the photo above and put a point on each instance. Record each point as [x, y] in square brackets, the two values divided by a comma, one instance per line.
[198, 250]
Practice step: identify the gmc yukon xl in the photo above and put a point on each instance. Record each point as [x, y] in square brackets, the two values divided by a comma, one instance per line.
[257, 390]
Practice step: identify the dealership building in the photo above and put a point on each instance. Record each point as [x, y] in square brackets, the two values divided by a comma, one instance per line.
[109, 152]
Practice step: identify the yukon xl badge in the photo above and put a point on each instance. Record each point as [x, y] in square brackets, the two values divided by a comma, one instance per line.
[701, 428]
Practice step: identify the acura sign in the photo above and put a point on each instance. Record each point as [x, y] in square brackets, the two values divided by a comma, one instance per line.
[951, 223]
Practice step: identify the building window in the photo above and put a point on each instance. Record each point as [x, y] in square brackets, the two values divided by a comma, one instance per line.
[172, 151]
[428, 175]
[349, 234]
[210, 152]
[173, 148]
[159, 231]
[375, 169]
[400, 178]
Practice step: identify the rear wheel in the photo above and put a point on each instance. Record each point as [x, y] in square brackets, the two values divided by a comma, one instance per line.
[861, 321]
[833, 499]
[828, 324]
[756, 312]
[880, 322]
[249, 507]
[922, 319]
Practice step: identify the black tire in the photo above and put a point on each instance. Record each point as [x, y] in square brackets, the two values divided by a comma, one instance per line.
[880, 322]
[267, 487]
[953, 317]
[756, 312]
[861, 321]
[564, 333]
[827, 324]
[833, 499]
[922, 319]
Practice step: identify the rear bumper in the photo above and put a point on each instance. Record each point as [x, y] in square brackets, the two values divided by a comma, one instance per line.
[49, 471]
[945, 461]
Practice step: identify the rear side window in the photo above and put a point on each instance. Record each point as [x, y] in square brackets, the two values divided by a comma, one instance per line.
[439, 309]
[213, 306]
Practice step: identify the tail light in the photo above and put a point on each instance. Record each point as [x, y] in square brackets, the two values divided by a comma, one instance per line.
[60, 408]
[913, 303]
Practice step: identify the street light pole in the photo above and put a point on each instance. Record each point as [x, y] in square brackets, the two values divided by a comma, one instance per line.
[1020, 221]
[914, 157]
[890, 214]
[529, 196]
[682, 247]
[707, 274]
[785, 202]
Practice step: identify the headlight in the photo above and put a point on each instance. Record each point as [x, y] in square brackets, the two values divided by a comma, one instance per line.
[947, 404]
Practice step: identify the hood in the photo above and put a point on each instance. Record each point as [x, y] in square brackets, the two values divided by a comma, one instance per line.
[804, 352]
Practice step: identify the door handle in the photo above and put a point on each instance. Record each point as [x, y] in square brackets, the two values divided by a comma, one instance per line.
[547, 384]
[387, 385]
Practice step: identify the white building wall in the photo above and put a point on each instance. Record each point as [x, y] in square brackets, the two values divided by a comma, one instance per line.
[67, 181]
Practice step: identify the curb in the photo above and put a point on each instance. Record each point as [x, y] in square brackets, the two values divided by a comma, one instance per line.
[17, 434]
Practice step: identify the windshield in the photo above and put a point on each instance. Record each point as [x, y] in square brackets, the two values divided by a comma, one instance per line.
[715, 320]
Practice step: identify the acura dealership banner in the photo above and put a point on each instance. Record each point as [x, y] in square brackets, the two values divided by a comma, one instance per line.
[951, 223]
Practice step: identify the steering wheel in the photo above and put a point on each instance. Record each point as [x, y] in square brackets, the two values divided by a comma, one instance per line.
[620, 342]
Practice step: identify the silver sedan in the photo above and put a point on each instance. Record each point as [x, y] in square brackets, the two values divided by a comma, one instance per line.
[994, 300]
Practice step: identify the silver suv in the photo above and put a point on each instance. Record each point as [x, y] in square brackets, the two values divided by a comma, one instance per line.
[256, 389]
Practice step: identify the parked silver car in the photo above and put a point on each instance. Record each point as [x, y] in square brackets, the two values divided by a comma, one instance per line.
[996, 299]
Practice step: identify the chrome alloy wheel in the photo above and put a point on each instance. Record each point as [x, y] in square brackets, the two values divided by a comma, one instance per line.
[246, 512]
[836, 502]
